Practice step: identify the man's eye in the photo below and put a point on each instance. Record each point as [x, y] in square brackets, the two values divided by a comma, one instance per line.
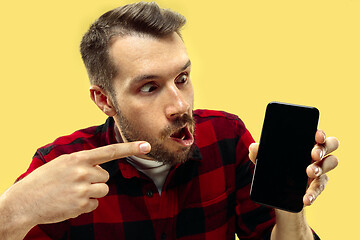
[182, 78]
[149, 87]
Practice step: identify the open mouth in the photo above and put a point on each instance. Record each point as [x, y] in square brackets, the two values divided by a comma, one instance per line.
[183, 136]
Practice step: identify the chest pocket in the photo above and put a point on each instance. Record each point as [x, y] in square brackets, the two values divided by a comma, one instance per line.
[207, 206]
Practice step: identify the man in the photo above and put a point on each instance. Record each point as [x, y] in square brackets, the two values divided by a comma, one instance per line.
[156, 169]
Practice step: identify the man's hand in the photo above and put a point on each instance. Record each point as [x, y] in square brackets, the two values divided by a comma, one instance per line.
[322, 163]
[294, 225]
[65, 187]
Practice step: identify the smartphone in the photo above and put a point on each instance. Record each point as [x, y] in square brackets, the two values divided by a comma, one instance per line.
[286, 141]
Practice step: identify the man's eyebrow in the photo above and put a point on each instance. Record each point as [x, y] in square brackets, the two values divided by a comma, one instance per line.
[187, 64]
[141, 78]
[149, 76]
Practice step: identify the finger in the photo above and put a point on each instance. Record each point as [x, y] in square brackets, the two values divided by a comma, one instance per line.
[114, 151]
[331, 144]
[323, 166]
[320, 136]
[91, 205]
[98, 175]
[321, 150]
[253, 150]
[98, 190]
[316, 187]
[89, 174]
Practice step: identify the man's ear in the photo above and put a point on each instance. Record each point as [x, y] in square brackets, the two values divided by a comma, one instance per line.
[102, 99]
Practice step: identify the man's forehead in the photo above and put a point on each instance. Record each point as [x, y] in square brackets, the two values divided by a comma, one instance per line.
[135, 46]
[141, 55]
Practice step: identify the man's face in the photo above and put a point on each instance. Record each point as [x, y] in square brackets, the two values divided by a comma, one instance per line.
[154, 94]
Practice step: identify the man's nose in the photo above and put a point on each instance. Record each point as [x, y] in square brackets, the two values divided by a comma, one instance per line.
[176, 103]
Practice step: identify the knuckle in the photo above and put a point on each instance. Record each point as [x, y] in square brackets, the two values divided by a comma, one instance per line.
[113, 151]
[82, 192]
[321, 184]
[83, 156]
[80, 157]
[76, 158]
[316, 186]
[81, 174]
[82, 204]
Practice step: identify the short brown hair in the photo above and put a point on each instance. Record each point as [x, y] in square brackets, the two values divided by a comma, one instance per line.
[141, 18]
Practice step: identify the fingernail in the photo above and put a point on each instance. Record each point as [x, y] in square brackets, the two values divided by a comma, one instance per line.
[324, 135]
[316, 170]
[320, 153]
[145, 147]
[311, 199]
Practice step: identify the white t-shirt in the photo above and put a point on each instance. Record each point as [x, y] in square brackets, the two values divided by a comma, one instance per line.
[157, 171]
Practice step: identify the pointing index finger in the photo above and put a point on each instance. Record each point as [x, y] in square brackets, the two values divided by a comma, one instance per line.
[115, 151]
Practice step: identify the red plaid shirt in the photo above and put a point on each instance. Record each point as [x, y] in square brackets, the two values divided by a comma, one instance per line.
[205, 198]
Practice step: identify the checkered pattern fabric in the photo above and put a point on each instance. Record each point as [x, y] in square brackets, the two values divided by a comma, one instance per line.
[206, 197]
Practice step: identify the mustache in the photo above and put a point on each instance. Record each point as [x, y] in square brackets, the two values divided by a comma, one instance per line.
[178, 123]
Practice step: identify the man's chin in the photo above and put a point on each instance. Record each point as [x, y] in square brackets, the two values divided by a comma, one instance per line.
[170, 156]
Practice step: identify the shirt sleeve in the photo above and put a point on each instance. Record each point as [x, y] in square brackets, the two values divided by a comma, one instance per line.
[36, 162]
[39, 232]
[35, 232]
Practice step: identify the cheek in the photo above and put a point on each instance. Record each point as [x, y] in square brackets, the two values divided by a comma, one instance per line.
[190, 96]
[144, 114]
[147, 119]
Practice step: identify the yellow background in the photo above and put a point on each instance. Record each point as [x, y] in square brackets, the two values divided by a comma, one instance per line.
[244, 54]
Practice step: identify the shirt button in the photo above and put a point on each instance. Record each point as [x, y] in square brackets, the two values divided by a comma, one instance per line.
[149, 193]
[163, 236]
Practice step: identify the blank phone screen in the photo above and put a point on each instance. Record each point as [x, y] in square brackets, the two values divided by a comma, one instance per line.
[287, 138]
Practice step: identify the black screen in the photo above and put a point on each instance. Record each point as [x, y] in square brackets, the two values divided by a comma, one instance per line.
[287, 139]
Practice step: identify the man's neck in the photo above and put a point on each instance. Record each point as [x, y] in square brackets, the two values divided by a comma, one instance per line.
[117, 134]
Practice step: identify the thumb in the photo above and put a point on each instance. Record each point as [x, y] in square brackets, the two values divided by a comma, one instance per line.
[253, 151]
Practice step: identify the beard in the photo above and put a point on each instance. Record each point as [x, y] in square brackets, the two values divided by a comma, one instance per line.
[159, 151]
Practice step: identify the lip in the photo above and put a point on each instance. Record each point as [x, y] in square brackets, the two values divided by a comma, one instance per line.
[187, 141]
